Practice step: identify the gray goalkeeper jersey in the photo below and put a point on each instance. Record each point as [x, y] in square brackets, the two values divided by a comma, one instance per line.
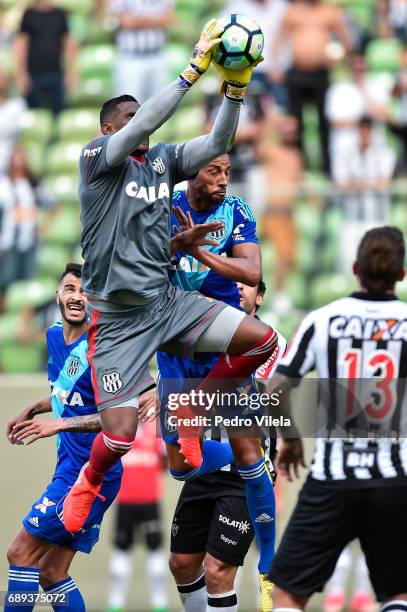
[125, 215]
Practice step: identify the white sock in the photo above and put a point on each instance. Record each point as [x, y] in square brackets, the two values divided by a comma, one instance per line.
[397, 605]
[119, 578]
[224, 602]
[338, 580]
[193, 595]
[157, 578]
[361, 581]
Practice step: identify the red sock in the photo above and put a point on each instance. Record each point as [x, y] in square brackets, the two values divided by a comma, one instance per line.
[225, 376]
[231, 367]
[107, 450]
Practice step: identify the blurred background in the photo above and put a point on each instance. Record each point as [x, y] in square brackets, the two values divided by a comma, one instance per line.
[320, 155]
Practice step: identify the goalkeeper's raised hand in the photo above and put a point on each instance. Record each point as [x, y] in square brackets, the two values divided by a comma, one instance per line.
[210, 38]
[235, 82]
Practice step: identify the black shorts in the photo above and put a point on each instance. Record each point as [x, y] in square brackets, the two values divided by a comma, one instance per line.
[138, 518]
[211, 516]
[326, 519]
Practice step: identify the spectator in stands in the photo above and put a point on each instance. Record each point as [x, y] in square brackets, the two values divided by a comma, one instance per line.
[394, 14]
[21, 197]
[6, 236]
[362, 175]
[309, 26]
[42, 47]
[269, 14]
[399, 125]
[349, 100]
[11, 115]
[283, 165]
[141, 68]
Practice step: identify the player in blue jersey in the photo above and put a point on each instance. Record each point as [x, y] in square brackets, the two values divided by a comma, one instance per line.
[215, 271]
[43, 550]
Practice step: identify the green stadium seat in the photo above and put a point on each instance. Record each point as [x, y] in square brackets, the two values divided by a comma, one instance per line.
[92, 91]
[63, 157]
[77, 255]
[51, 260]
[328, 287]
[38, 126]
[305, 254]
[297, 289]
[79, 124]
[64, 187]
[96, 60]
[188, 122]
[6, 60]
[35, 152]
[22, 359]
[307, 219]
[65, 228]
[398, 216]
[81, 7]
[383, 55]
[9, 327]
[178, 57]
[29, 294]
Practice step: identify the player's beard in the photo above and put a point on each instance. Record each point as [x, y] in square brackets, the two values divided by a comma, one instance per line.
[65, 316]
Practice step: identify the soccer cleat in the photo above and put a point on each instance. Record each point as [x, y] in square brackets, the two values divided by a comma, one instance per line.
[363, 602]
[191, 449]
[266, 591]
[78, 502]
[334, 602]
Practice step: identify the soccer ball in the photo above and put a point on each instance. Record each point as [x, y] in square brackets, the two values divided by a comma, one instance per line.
[241, 42]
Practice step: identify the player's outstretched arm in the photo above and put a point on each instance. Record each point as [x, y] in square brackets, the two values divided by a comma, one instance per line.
[41, 407]
[31, 430]
[158, 109]
[200, 151]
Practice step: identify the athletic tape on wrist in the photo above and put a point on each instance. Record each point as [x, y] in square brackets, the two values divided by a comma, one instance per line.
[235, 92]
[191, 74]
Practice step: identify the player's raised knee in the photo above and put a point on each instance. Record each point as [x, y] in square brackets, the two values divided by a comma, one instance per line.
[20, 555]
[182, 568]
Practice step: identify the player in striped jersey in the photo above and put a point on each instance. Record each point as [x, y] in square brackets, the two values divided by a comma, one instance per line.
[357, 486]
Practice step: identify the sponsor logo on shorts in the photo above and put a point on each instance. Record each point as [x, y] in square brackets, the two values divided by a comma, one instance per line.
[73, 367]
[174, 529]
[158, 165]
[242, 526]
[112, 383]
[228, 540]
[34, 521]
[46, 503]
[264, 518]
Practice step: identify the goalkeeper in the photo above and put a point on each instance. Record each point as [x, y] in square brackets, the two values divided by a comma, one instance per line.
[125, 196]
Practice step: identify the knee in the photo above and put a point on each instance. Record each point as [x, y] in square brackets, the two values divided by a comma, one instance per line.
[182, 569]
[218, 575]
[50, 576]
[247, 451]
[154, 540]
[283, 599]
[18, 554]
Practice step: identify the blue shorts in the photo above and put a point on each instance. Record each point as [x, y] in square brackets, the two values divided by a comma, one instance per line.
[44, 520]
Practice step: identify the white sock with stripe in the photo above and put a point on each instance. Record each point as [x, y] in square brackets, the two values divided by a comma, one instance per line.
[193, 595]
[397, 605]
[223, 602]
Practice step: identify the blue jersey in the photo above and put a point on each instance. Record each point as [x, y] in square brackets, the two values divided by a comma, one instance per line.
[239, 227]
[72, 396]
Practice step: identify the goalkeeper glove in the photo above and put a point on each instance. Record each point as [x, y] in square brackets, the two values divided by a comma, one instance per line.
[235, 82]
[209, 39]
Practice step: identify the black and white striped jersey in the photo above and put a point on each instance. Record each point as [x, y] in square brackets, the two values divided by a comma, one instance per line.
[357, 346]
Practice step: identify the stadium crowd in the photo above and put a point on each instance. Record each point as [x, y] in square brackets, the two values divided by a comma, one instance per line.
[321, 138]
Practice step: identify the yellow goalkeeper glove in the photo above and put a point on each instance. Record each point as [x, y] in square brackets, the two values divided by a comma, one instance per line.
[235, 82]
[209, 39]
